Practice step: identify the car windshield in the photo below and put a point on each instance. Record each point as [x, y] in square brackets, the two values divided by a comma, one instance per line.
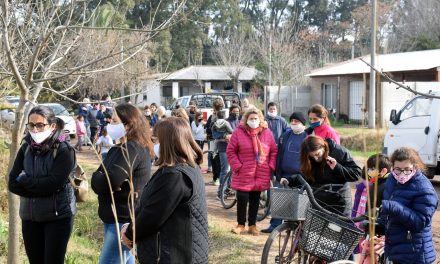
[58, 109]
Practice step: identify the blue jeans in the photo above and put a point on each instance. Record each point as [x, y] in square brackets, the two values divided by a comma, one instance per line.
[110, 249]
[224, 168]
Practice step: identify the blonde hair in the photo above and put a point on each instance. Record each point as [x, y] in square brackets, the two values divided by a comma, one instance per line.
[161, 112]
[177, 144]
[250, 111]
[180, 112]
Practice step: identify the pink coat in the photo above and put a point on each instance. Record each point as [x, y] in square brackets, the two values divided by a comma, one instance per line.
[325, 131]
[247, 174]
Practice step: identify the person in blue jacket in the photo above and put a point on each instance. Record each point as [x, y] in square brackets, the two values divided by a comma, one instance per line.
[288, 160]
[409, 202]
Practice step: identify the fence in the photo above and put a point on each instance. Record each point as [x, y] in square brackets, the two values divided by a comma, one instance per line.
[291, 98]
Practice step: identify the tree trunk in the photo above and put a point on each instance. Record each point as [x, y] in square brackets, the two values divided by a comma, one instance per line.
[278, 99]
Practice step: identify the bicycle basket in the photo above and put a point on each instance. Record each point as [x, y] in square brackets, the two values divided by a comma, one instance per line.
[327, 237]
[288, 204]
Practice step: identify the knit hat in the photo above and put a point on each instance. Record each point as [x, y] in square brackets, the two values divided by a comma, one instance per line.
[298, 116]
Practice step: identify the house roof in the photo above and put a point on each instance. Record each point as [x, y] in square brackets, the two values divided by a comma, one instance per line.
[394, 62]
[210, 73]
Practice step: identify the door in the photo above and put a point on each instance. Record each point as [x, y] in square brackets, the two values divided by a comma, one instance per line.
[356, 99]
[417, 129]
[329, 95]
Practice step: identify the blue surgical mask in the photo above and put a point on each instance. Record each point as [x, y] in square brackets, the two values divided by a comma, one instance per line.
[315, 124]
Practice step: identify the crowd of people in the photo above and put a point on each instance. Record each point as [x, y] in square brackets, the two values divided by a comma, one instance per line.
[162, 217]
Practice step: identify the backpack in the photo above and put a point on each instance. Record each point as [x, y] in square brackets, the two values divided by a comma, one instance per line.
[77, 178]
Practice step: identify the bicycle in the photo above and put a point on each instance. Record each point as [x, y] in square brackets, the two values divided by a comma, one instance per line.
[283, 244]
[228, 198]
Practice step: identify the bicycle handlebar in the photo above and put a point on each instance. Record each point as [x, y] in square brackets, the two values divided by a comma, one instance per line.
[315, 204]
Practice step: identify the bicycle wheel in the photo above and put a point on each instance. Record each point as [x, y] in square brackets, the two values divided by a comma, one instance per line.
[282, 245]
[264, 206]
[227, 195]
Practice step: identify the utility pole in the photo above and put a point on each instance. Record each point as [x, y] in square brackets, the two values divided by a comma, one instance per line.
[372, 105]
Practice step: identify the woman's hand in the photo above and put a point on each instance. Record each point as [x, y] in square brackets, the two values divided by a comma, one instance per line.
[331, 162]
[284, 182]
[124, 238]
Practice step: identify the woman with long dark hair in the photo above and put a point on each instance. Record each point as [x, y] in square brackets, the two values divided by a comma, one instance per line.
[128, 165]
[171, 219]
[325, 162]
[40, 176]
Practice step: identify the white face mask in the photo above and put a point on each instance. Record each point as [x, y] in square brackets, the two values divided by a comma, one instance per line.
[39, 137]
[116, 131]
[253, 123]
[272, 114]
[156, 148]
[148, 113]
[298, 128]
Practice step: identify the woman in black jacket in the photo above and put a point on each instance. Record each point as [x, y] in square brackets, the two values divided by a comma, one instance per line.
[325, 162]
[40, 176]
[128, 165]
[171, 220]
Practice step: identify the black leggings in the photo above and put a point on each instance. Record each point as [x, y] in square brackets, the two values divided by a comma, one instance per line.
[243, 198]
[46, 242]
[200, 143]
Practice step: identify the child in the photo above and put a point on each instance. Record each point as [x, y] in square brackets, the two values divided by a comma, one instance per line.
[220, 129]
[80, 132]
[106, 142]
[409, 202]
[378, 169]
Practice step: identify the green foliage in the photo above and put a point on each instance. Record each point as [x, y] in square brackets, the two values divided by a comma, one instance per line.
[425, 43]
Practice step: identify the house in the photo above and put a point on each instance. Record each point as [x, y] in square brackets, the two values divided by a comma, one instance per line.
[345, 86]
[204, 79]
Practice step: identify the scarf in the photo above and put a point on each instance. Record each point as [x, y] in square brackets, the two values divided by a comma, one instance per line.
[260, 155]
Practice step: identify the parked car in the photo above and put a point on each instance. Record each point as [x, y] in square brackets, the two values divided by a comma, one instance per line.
[61, 112]
[7, 114]
[204, 102]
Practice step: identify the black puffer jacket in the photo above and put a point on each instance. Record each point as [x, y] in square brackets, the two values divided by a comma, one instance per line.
[117, 167]
[172, 220]
[41, 181]
[338, 199]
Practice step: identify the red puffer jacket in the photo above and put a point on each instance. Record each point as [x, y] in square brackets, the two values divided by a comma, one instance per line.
[247, 174]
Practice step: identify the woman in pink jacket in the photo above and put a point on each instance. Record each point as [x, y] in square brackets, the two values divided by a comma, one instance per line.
[320, 124]
[252, 155]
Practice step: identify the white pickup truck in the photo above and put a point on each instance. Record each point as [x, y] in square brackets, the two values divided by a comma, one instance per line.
[417, 125]
[204, 102]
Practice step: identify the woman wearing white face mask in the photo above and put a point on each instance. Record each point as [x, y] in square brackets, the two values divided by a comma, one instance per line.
[252, 155]
[128, 163]
[40, 177]
[325, 162]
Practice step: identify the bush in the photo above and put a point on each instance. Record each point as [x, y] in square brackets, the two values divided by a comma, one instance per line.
[365, 141]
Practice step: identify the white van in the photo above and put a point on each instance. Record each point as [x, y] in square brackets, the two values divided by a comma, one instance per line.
[417, 125]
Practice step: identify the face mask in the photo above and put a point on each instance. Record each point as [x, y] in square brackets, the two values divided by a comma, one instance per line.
[156, 149]
[39, 137]
[297, 129]
[272, 114]
[116, 131]
[234, 115]
[253, 124]
[315, 124]
[402, 178]
[148, 113]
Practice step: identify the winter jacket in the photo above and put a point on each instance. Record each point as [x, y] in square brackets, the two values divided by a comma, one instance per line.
[233, 122]
[198, 131]
[117, 168]
[220, 129]
[277, 125]
[247, 174]
[288, 161]
[92, 117]
[172, 218]
[42, 182]
[407, 211]
[338, 199]
[325, 131]
[80, 128]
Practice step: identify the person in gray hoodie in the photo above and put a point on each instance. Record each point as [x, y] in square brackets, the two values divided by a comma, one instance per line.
[220, 129]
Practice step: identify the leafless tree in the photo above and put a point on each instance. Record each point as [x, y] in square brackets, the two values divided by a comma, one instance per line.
[39, 40]
[413, 20]
[286, 56]
[235, 54]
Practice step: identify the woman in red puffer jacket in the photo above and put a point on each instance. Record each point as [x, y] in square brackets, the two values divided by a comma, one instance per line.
[252, 155]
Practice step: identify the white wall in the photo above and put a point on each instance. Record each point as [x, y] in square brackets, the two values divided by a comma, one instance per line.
[152, 90]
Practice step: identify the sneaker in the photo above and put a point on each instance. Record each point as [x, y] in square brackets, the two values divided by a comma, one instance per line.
[217, 183]
[218, 198]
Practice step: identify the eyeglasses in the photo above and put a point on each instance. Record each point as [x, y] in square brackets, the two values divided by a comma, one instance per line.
[39, 126]
[405, 171]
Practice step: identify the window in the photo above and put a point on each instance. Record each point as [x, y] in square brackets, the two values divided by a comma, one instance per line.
[328, 95]
[419, 106]
[167, 91]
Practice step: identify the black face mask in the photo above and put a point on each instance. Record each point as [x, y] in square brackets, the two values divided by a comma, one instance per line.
[234, 115]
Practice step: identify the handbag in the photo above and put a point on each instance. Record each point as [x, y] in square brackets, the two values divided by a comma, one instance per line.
[80, 184]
